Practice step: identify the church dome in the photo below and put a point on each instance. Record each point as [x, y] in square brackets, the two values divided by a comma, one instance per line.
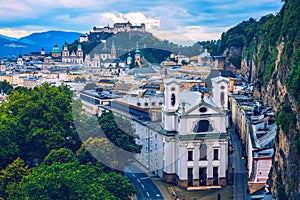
[129, 57]
[55, 49]
[105, 50]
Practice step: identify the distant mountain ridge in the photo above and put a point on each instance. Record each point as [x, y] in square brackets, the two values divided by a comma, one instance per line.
[12, 47]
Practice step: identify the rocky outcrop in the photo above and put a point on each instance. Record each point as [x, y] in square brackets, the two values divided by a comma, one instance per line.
[273, 50]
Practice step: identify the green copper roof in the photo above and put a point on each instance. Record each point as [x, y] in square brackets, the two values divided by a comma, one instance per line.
[55, 49]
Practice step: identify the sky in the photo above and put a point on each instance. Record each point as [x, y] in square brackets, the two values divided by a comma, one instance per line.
[178, 21]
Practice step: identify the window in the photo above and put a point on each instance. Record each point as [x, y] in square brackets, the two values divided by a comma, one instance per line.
[203, 109]
[153, 104]
[203, 152]
[190, 155]
[146, 104]
[138, 104]
[222, 98]
[203, 126]
[216, 154]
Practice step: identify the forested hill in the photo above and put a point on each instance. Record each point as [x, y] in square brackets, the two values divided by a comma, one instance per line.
[154, 49]
[272, 44]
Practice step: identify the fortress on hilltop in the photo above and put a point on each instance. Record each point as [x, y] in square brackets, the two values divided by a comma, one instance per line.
[121, 27]
[102, 33]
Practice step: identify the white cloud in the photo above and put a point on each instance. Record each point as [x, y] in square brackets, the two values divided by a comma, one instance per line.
[21, 31]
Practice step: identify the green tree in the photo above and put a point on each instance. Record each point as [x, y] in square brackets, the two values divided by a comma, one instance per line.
[9, 149]
[43, 119]
[5, 87]
[90, 86]
[12, 174]
[71, 181]
[115, 133]
[61, 155]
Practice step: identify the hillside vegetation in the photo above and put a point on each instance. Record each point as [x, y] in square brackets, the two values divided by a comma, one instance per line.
[272, 46]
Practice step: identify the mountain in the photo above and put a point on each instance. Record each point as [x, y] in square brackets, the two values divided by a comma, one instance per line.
[11, 48]
[269, 50]
[50, 38]
[8, 38]
[34, 42]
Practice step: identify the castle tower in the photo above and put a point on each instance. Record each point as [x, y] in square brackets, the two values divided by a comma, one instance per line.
[220, 92]
[113, 51]
[137, 56]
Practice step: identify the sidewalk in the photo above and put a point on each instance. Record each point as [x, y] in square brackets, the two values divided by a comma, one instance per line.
[166, 189]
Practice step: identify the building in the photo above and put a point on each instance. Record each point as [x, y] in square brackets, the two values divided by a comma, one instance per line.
[72, 57]
[256, 127]
[56, 53]
[188, 146]
[103, 57]
[195, 129]
[121, 27]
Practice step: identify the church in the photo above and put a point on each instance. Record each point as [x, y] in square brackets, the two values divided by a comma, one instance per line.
[194, 133]
[188, 144]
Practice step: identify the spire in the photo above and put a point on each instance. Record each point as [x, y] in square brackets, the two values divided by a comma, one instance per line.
[113, 51]
[137, 51]
[113, 44]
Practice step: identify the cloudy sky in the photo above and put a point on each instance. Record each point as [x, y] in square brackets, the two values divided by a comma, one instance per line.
[189, 20]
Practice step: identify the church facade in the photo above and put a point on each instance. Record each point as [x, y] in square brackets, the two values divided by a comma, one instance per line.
[189, 146]
[195, 135]
[75, 57]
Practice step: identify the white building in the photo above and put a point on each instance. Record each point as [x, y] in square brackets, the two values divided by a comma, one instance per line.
[195, 136]
[189, 146]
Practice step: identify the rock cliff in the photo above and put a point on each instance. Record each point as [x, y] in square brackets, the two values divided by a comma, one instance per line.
[270, 49]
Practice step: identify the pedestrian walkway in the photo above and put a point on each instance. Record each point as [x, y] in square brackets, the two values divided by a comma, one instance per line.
[170, 191]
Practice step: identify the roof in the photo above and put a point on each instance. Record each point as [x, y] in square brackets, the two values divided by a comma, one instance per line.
[205, 54]
[219, 79]
[141, 70]
[193, 99]
[215, 73]
[105, 50]
[55, 49]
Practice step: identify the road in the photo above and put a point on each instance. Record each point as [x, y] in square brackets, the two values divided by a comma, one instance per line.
[145, 187]
[240, 179]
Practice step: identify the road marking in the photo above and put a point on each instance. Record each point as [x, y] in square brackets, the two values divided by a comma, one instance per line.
[148, 194]
[133, 175]
[139, 180]
[144, 178]
[143, 186]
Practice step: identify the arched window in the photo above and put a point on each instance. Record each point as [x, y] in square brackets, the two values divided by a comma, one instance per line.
[203, 152]
[222, 99]
[203, 126]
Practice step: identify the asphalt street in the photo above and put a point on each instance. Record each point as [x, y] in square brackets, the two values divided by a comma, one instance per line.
[240, 179]
[145, 187]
